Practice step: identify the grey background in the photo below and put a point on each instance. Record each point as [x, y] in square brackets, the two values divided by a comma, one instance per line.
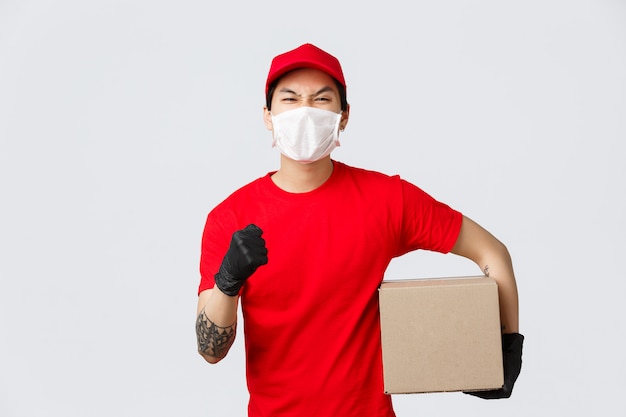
[122, 123]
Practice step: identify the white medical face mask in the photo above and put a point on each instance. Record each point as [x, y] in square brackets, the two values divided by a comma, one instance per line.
[306, 134]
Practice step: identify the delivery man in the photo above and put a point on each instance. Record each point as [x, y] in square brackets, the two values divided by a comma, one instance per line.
[304, 249]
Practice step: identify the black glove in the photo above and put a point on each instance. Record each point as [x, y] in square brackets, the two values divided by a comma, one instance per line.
[246, 253]
[512, 358]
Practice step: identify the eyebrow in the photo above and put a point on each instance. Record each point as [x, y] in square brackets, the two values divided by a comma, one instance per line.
[317, 93]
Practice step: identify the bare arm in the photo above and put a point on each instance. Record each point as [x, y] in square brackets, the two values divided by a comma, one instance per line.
[216, 324]
[493, 258]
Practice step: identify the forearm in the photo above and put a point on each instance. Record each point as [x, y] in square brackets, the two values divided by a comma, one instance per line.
[498, 266]
[494, 260]
[216, 324]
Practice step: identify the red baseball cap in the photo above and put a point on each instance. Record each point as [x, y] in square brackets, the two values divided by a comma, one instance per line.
[305, 56]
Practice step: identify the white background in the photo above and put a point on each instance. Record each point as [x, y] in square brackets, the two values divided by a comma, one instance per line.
[122, 123]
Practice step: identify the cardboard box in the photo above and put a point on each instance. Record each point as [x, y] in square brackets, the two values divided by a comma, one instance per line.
[441, 335]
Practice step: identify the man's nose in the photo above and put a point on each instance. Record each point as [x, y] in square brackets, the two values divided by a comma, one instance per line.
[307, 101]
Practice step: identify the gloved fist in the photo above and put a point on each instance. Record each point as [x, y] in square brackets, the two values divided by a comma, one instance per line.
[512, 358]
[246, 253]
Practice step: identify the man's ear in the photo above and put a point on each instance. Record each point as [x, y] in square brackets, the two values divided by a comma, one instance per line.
[267, 118]
[345, 115]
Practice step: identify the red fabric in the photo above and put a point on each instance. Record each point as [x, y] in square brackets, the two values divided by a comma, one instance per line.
[311, 318]
[304, 56]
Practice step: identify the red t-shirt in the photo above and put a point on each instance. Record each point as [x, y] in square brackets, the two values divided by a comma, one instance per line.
[311, 320]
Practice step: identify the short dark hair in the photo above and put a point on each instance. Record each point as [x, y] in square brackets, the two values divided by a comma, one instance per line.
[342, 94]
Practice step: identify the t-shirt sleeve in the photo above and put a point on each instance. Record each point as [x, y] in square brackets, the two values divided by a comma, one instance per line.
[214, 245]
[221, 222]
[427, 223]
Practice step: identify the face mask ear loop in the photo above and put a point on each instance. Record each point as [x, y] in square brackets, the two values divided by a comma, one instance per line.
[273, 130]
[338, 130]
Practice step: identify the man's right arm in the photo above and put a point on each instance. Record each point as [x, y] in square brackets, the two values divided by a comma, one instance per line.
[216, 324]
[216, 321]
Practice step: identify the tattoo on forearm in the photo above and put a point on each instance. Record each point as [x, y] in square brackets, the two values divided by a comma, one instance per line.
[214, 340]
[486, 270]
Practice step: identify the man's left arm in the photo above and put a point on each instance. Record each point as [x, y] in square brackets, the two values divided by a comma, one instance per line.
[493, 258]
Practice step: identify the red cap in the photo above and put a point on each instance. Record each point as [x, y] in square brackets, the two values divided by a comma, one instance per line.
[305, 56]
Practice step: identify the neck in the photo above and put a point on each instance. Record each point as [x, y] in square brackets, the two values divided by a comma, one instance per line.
[295, 177]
